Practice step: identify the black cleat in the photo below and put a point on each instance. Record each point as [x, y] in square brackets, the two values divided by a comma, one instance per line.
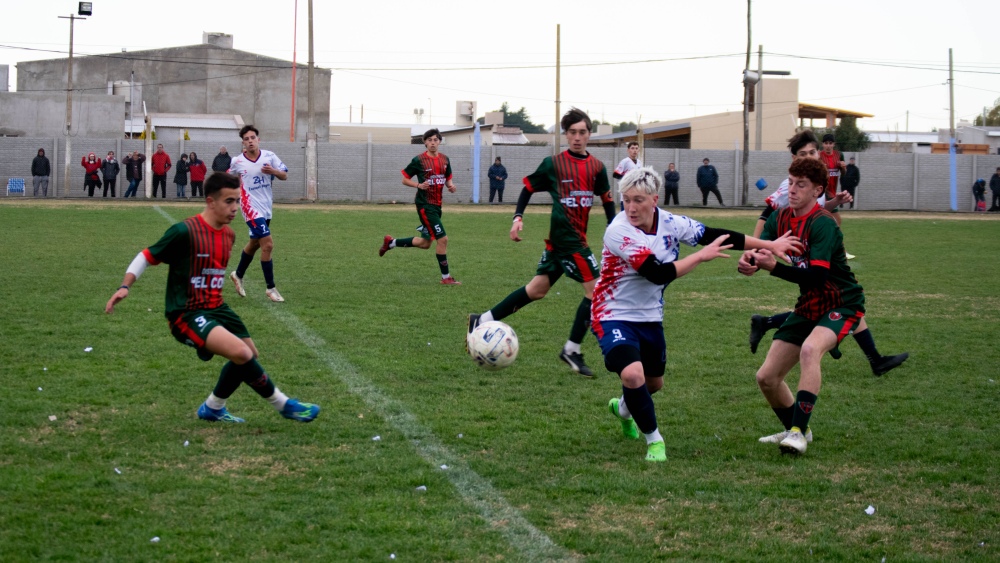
[576, 363]
[888, 363]
[758, 328]
[473, 323]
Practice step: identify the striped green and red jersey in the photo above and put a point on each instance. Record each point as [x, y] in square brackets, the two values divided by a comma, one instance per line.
[572, 181]
[824, 248]
[434, 170]
[198, 255]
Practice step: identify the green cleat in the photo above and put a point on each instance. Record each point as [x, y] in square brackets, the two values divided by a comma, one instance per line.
[656, 452]
[629, 429]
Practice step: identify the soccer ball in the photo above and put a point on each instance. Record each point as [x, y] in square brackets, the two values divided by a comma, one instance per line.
[493, 345]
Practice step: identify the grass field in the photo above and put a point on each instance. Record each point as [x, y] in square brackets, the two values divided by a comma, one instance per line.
[536, 467]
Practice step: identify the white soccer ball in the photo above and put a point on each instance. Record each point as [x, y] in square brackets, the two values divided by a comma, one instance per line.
[493, 345]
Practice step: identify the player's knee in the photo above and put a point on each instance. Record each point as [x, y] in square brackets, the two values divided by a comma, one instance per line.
[810, 353]
[633, 376]
[267, 245]
[766, 380]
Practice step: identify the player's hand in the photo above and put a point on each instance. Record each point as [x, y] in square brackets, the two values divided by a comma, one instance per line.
[714, 250]
[787, 244]
[747, 264]
[117, 298]
[842, 197]
[764, 259]
[515, 230]
[452, 188]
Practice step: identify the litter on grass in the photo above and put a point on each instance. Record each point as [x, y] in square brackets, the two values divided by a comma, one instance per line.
[52, 417]
[444, 468]
[870, 510]
[88, 349]
[422, 488]
[118, 471]
[376, 438]
[186, 443]
[156, 539]
[39, 388]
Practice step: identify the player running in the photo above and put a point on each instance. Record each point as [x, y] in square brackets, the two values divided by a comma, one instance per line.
[197, 250]
[257, 168]
[640, 258]
[573, 178]
[432, 170]
[628, 164]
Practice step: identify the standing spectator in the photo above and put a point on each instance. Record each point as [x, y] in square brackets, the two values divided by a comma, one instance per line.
[498, 175]
[91, 164]
[161, 164]
[133, 171]
[995, 188]
[628, 164]
[40, 170]
[671, 182]
[181, 176]
[222, 161]
[979, 194]
[850, 180]
[110, 170]
[198, 171]
[708, 181]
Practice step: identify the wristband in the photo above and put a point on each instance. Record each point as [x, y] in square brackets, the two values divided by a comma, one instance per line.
[124, 287]
[517, 218]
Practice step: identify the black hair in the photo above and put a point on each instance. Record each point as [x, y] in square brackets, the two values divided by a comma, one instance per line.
[829, 138]
[219, 180]
[574, 116]
[631, 144]
[498, 160]
[247, 128]
[802, 139]
[433, 133]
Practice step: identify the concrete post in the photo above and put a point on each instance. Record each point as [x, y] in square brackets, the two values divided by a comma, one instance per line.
[368, 170]
[916, 158]
[54, 180]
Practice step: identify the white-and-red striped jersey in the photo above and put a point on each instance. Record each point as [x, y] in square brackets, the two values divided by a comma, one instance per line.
[621, 293]
[256, 197]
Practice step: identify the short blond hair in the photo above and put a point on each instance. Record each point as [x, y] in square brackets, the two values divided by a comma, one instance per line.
[644, 179]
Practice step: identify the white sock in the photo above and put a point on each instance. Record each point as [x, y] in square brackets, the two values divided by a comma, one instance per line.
[214, 402]
[571, 347]
[445, 276]
[486, 317]
[623, 408]
[392, 244]
[278, 400]
[653, 436]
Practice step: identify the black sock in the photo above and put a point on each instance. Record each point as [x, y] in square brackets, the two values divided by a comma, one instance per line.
[268, 268]
[229, 381]
[640, 405]
[867, 344]
[581, 322]
[803, 407]
[404, 242]
[245, 260]
[785, 415]
[443, 263]
[776, 321]
[252, 373]
[516, 300]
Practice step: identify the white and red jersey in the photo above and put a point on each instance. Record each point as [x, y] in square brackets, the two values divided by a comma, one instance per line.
[621, 293]
[256, 197]
[779, 199]
[623, 168]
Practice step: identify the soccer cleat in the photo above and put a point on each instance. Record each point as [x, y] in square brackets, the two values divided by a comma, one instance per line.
[576, 363]
[213, 415]
[204, 355]
[795, 443]
[777, 438]
[238, 282]
[273, 295]
[450, 281]
[848, 255]
[887, 363]
[386, 241]
[656, 451]
[758, 328]
[302, 412]
[629, 429]
[473, 323]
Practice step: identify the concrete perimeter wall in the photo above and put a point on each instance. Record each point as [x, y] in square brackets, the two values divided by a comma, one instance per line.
[371, 172]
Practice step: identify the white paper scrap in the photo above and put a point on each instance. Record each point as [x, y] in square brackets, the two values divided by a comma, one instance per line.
[39, 388]
[88, 349]
[156, 539]
[870, 510]
[422, 488]
[444, 467]
[186, 443]
[118, 471]
[376, 438]
[52, 417]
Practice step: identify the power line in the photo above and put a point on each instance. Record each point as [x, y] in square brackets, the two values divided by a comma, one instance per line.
[877, 63]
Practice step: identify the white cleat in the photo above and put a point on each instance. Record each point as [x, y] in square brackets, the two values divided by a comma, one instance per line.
[238, 282]
[795, 443]
[777, 438]
[273, 295]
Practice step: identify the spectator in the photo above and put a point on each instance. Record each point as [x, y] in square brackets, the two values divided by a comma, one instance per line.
[110, 170]
[133, 171]
[498, 175]
[708, 180]
[40, 170]
[995, 188]
[91, 164]
[198, 171]
[161, 164]
[671, 182]
[850, 180]
[979, 194]
[222, 161]
[181, 176]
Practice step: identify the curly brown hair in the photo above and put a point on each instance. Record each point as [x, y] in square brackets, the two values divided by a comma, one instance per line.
[810, 168]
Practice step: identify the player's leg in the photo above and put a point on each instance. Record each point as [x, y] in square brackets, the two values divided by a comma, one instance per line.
[781, 358]
[536, 289]
[759, 325]
[880, 364]
[718, 195]
[621, 343]
[582, 267]
[820, 341]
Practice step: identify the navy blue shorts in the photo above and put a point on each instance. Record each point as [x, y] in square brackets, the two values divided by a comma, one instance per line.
[624, 343]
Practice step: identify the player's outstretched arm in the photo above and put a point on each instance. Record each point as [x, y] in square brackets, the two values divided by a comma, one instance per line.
[782, 246]
[522, 204]
[135, 269]
[836, 201]
[662, 273]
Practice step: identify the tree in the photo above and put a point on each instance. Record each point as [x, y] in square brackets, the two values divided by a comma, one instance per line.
[519, 118]
[847, 135]
[992, 116]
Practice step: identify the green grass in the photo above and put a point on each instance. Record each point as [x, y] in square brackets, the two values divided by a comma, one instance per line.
[379, 344]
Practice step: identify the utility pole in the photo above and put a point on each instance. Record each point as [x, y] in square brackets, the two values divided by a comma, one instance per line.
[746, 116]
[951, 137]
[555, 128]
[295, 50]
[312, 175]
[69, 106]
[758, 106]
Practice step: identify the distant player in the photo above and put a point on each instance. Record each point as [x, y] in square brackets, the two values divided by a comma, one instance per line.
[197, 251]
[257, 168]
[573, 178]
[835, 166]
[831, 303]
[628, 164]
[432, 171]
[640, 258]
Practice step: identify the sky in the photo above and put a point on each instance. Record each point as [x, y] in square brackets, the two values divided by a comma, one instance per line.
[644, 60]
